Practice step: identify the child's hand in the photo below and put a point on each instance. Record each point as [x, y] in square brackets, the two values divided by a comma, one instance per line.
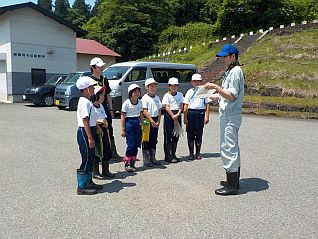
[154, 124]
[206, 119]
[174, 117]
[105, 124]
[91, 143]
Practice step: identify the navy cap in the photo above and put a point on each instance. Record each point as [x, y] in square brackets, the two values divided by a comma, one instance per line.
[227, 49]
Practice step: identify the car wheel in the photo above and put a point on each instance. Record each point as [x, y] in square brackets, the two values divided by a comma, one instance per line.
[73, 104]
[47, 100]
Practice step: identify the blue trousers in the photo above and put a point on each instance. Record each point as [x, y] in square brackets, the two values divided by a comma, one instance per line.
[195, 125]
[87, 153]
[153, 138]
[133, 135]
[168, 126]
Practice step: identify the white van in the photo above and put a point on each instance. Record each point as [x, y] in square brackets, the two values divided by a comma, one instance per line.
[121, 75]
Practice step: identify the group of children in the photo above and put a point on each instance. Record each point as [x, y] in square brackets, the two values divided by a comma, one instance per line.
[139, 116]
[140, 121]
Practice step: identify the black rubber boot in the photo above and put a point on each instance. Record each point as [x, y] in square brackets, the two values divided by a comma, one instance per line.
[153, 157]
[173, 151]
[168, 153]
[146, 158]
[231, 187]
[191, 150]
[83, 178]
[224, 183]
[86, 191]
[114, 150]
[105, 170]
[198, 151]
[96, 173]
[93, 185]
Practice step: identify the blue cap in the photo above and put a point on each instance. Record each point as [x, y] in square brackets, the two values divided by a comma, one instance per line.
[227, 49]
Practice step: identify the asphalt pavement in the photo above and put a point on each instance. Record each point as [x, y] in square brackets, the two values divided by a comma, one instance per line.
[39, 157]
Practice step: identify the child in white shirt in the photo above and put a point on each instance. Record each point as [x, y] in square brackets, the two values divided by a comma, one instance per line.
[102, 133]
[152, 112]
[131, 120]
[86, 133]
[173, 102]
[196, 115]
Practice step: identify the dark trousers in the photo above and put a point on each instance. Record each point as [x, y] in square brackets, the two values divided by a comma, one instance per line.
[110, 122]
[153, 137]
[87, 153]
[133, 135]
[168, 126]
[107, 153]
[195, 126]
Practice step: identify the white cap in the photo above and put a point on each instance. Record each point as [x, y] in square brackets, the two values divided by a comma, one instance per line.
[150, 81]
[84, 82]
[132, 87]
[173, 81]
[196, 77]
[98, 89]
[96, 61]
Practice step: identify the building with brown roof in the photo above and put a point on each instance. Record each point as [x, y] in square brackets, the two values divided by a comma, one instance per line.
[87, 49]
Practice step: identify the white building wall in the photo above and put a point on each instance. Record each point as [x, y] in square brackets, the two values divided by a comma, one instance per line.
[35, 35]
[5, 59]
[32, 40]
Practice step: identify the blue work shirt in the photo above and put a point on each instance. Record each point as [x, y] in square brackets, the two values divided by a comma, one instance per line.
[233, 81]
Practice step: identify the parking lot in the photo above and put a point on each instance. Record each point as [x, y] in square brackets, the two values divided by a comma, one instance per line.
[39, 157]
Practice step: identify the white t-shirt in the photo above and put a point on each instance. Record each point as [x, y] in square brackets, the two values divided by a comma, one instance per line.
[193, 102]
[85, 108]
[130, 109]
[101, 112]
[151, 104]
[173, 101]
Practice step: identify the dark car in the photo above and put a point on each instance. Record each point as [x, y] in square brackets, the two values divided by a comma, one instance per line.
[43, 94]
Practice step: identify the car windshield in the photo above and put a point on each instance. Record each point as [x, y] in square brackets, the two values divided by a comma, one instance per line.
[72, 78]
[52, 80]
[115, 73]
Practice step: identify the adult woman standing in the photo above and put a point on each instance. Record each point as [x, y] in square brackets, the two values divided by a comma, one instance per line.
[230, 96]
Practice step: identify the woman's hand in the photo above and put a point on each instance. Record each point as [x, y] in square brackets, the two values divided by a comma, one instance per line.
[210, 85]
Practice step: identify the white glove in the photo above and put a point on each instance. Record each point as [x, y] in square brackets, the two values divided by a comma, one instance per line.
[177, 130]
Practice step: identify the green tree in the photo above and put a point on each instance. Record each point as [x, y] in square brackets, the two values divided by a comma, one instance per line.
[83, 8]
[209, 12]
[237, 16]
[45, 4]
[94, 10]
[300, 10]
[186, 11]
[130, 27]
[62, 9]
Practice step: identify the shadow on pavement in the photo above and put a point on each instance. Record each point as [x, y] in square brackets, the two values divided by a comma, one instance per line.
[211, 155]
[204, 156]
[252, 185]
[115, 186]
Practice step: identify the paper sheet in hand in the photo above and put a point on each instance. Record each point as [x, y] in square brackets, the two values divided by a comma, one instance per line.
[203, 92]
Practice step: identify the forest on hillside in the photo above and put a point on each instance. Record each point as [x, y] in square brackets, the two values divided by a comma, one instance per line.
[138, 28]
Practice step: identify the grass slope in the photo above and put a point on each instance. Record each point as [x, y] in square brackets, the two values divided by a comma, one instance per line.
[289, 62]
